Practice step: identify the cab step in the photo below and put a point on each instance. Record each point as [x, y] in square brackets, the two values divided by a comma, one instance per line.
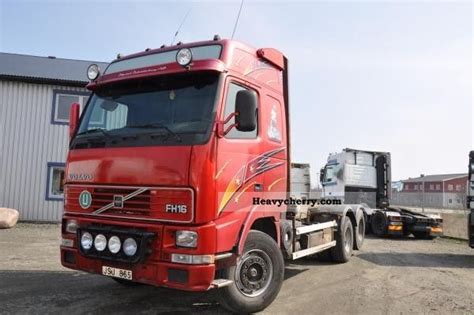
[219, 283]
[312, 250]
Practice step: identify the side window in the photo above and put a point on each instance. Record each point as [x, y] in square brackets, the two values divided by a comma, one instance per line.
[229, 109]
[55, 180]
[62, 101]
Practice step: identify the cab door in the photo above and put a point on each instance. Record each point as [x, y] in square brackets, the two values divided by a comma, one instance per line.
[237, 178]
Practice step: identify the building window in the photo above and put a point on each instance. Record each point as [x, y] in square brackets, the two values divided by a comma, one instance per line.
[458, 188]
[415, 187]
[438, 187]
[55, 181]
[450, 200]
[432, 187]
[450, 187]
[62, 101]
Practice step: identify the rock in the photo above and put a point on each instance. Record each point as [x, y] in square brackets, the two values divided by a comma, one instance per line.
[8, 218]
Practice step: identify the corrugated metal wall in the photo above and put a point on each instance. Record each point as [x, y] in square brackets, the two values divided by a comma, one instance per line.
[28, 141]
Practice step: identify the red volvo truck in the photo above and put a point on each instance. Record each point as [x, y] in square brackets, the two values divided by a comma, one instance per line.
[173, 170]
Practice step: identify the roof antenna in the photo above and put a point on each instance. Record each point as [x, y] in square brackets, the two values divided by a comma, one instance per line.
[179, 27]
[237, 20]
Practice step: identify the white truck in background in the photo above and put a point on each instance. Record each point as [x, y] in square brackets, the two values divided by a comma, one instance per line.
[364, 177]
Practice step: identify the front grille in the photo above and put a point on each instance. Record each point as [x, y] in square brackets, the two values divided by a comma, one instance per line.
[137, 205]
[172, 204]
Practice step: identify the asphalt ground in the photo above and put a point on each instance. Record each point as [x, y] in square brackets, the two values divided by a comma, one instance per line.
[388, 276]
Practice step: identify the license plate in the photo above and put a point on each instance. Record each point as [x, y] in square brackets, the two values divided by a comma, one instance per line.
[117, 273]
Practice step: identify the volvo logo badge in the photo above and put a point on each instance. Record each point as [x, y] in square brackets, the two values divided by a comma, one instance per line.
[85, 199]
[118, 201]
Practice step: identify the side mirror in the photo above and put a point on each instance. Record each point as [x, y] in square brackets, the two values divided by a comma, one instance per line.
[246, 107]
[73, 119]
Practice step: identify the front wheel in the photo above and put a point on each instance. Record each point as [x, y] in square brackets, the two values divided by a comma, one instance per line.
[379, 224]
[257, 277]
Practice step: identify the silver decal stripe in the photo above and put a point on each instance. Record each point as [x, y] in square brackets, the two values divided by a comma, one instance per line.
[125, 198]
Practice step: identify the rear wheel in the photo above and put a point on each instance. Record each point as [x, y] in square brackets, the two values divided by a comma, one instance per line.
[359, 233]
[342, 252]
[379, 224]
[257, 277]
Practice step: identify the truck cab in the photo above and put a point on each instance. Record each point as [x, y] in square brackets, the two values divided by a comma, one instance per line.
[358, 176]
[165, 166]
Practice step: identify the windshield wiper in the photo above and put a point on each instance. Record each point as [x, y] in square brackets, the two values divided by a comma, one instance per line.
[158, 126]
[103, 131]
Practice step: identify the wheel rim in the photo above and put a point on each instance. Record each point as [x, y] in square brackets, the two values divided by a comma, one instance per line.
[347, 240]
[254, 273]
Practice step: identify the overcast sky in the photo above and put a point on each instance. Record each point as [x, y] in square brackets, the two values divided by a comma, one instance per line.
[381, 75]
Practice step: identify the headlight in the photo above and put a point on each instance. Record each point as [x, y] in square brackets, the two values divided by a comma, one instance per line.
[100, 242]
[114, 244]
[93, 72]
[186, 239]
[71, 226]
[86, 240]
[130, 247]
[184, 57]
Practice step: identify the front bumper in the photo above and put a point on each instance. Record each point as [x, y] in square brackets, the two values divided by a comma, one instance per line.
[157, 273]
[155, 267]
[401, 229]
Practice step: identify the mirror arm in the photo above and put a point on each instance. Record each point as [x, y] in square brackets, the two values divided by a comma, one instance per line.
[220, 125]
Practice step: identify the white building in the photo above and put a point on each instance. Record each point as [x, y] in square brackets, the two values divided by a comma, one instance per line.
[35, 97]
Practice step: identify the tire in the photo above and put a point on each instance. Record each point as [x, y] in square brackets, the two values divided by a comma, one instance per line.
[127, 283]
[379, 224]
[286, 234]
[359, 233]
[261, 253]
[342, 252]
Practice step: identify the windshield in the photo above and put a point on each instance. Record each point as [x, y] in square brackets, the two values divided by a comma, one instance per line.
[171, 110]
[329, 174]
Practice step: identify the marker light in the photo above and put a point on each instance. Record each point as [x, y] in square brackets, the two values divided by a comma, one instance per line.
[192, 259]
[184, 57]
[114, 244]
[86, 240]
[93, 72]
[71, 226]
[100, 242]
[130, 247]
